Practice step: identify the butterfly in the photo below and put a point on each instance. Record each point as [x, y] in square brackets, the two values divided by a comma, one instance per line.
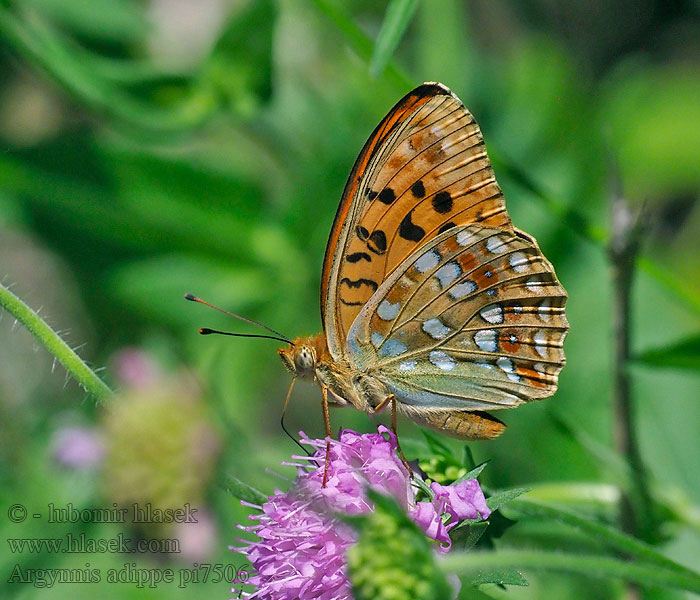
[431, 300]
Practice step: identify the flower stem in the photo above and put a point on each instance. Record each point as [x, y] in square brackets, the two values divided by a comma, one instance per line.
[623, 249]
[54, 344]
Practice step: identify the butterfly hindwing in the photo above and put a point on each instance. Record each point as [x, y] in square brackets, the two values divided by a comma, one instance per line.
[472, 320]
[423, 171]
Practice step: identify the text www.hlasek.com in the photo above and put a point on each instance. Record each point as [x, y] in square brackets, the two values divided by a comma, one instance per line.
[79, 544]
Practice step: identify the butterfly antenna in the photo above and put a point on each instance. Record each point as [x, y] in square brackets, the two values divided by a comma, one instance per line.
[207, 331]
[280, 337]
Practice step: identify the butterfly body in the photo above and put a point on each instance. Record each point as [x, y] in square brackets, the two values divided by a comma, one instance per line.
[430, 297]
[346, 384]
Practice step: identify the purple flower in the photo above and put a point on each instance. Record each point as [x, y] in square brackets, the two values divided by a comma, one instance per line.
[78, 447]
[463, 500]
[300, 553]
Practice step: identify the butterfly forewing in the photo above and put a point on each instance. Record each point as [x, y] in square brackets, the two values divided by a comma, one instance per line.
[473, 320]
[423, 171]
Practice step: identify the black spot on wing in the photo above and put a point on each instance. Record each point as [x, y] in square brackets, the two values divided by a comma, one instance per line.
[410, 231]
[358, 256]
[371, 194]
[357, 283]
[351, 303]
[418, 189]
[362, 233]
[446, 226]
[387, 196]
[442, 202]
[377, 242]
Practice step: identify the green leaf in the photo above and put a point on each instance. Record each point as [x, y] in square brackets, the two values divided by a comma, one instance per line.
[397, 18]
[243, 491]
[113, 20]
[437, 446]
[504, 576]
[474, 473]
[359, 41]
[497, 500]
[681, 355]
[603, 534]
[466, 535]
[471, 564]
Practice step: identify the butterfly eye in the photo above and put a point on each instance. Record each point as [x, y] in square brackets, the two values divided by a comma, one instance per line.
[305, 359]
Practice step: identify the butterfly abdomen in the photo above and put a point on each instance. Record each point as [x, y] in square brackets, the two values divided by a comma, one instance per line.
[462, 425]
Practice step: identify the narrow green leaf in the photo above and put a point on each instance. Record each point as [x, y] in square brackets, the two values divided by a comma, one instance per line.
[604, 534]
[436, 445]
[397, 18]
[497, 500]
[54, 344]
[113, 20]
[359, 41]
[470, 564]
[504, 576]
[243, 491]
[474, 473]
[682, 355]
[466, 535]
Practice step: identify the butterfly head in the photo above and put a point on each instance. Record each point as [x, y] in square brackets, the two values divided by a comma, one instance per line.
[302, 357]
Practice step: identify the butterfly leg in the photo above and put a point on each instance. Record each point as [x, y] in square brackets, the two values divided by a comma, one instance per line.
[391, 398]
[327, 424]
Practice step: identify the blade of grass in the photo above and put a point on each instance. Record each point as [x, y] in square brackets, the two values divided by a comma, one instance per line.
[360, 42]
[243, 491]
[684, 354]
[85, 376]
[398, 16]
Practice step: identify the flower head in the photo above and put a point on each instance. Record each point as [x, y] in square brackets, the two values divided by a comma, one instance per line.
[301, 551]
[78, 447]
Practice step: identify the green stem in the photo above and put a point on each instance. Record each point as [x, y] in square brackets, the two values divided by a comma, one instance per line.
[466, 564]
[54, 344]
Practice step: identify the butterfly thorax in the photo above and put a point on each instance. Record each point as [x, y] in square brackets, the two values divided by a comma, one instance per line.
[309, 358]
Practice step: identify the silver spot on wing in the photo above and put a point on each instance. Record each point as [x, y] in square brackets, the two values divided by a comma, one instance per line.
[492, 314]
[388, 311]
[436, 329]
[428, 261]
[442, 360]
[487, 340]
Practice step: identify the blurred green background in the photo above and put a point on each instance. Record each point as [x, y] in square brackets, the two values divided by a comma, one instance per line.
[154, 147]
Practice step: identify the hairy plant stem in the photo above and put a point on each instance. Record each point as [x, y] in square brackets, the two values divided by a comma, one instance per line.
[54, 344]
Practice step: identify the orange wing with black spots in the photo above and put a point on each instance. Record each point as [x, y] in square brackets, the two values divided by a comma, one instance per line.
[423, 170]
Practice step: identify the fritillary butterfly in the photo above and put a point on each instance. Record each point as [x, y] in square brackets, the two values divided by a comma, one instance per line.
[430, 298]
